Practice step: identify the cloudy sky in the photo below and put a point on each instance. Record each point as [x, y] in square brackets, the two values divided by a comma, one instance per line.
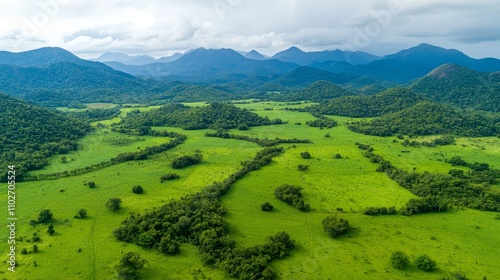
[89, 28]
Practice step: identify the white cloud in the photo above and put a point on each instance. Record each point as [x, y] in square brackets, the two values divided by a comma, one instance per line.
[157, 27]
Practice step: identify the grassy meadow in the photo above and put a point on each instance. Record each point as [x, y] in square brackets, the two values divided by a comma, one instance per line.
[459, 240]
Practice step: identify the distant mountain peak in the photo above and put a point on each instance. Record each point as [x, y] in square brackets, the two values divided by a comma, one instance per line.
[255, 55]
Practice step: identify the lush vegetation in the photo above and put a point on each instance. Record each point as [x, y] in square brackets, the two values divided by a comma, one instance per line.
[94, 115]
[389, 101]
[264, 142]
[428, 118]
[335, 226]
[29, 135]
[292, 195]
[216, 115]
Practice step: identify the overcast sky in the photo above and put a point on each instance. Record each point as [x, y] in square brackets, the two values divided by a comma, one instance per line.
[89, 28]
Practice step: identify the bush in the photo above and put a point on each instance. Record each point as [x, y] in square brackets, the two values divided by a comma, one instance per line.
[399, 260]
[425, 263]
[81, 214]
[302, 167]
[291, 195]
[137, 190]
[130, 266]
[114, 203]
[266, 206]
[45, 216]
[335, 226]
[169, 246]
[169, 177]
[35, 248]
[51, 230]
[305, 155]
[186, 161]
[91, 184]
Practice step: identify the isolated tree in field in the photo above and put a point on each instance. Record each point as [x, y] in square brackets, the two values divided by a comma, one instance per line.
[425, 263]
[305, 155]
[169, 177]
[399, 260]
[91, 184]
[130, 266]
[81, 214]
[335, 226]
[51, 230]
[137, 190]
[45, 216]
[35, 248]
[114, 203]
[266, 206]
[302, 167]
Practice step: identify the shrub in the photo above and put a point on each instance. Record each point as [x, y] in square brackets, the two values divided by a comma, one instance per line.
[425, 263]
[185, 161]
[81, 214]
[305, 155]
[35, 248]
[137, 190]
[91, 184]
[266, 206]
[399, 260]
[45, 216]
[114, 203]
[169, 177]
[130, 266]
[302, 167]
[291, 195]
[51, 230]
[335, 226]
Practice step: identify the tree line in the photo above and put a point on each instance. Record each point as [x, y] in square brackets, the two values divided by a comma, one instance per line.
[263, 142]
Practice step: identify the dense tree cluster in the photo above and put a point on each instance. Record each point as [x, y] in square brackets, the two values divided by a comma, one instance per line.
[29, 135]
[316, 92]
[322, 122]
[441, 141]
[291, 195]
[428, 118]
[380, 210]
[169, 177]
[130, 266]
[400, 260]
[390, 101]
[216, 115]
[187, 160]
[437, 190]
[425, 263]
[198, 219]
[263, 142]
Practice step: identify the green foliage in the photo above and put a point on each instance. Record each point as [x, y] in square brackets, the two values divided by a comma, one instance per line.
[442, 141]
[130, 266]
[291, 195]
[263, 142]
[51, 230]
[379, 210]
[187, 160]
[267, 207]
[35, 248]
[322, 122]
[91, 184]
[305, 155]
[390, 101]
[316, 92]
[425, 263]
[302, 167]
[30, 134]
[428, 118]
[400, 260]
[169, 177]
[81, 214]
[45, 216]
[428, 204]
[216, 115]
[335, 226]
[137, 190]
[114, 203]
[94, 115]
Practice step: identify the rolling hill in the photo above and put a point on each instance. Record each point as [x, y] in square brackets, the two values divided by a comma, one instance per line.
[462, 87]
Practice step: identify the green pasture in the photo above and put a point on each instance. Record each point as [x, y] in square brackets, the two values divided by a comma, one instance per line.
[458, 240]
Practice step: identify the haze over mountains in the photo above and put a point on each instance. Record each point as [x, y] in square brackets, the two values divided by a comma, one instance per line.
[54, 76]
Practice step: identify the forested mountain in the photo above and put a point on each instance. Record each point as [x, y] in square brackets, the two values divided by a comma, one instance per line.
[29, 134]
[316, 92]
[216, 115]
[44, 57]
[135, 60]
[389, 101]
[296, 55]
[255, 55]
[461, 86]
[304, 76]
[429, 118]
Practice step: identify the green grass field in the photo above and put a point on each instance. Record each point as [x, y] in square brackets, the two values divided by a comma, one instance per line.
[458, 240]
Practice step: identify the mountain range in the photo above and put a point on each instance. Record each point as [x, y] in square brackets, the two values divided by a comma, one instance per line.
[55, 76]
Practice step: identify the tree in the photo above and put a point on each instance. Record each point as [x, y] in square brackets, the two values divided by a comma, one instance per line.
[35, 248]
[137, 190]
[51, 230]
[399, 260]
[266, 206]
[114, 203]
[305, 155]
[335, 226]
[91, 184]
[302, 167]
[130, 266]
[425, 263]
[81, 214]
[45, 216]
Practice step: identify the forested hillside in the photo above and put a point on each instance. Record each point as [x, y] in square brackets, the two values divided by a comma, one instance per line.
[428, 118]
[29, 134]
[389, 101]
[461, 86]
[216, 115]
